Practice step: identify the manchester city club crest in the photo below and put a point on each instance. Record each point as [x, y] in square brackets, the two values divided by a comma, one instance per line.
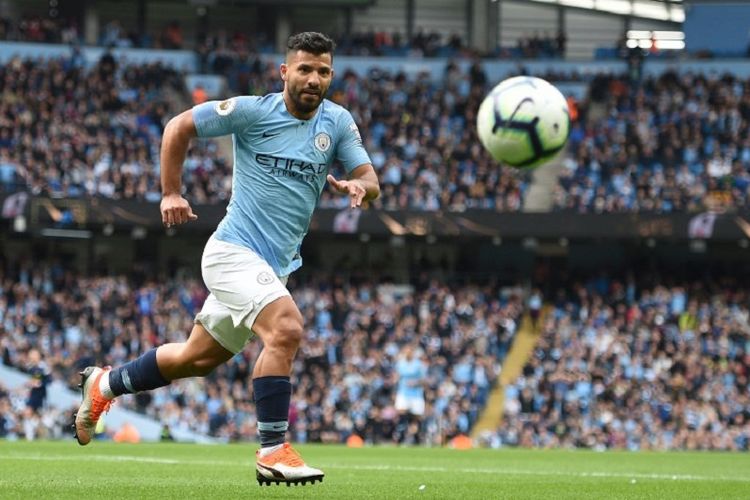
[322, 142]
[265, 278]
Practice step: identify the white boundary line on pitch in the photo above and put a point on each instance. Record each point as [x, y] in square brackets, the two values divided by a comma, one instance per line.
[395, 468]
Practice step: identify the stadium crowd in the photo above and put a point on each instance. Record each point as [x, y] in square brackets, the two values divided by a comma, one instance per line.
[667, 143]
[361, 342]
[103, 130]
[621, 366]
[222, 43]
[39, 29]
[68, 132]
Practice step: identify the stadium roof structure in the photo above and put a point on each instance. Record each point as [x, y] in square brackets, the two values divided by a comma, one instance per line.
[659, 10]
[316, 3]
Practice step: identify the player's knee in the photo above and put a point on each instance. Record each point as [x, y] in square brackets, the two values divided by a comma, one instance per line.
[287, 333]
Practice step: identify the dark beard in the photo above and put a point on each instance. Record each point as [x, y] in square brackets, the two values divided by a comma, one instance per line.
[303, 106]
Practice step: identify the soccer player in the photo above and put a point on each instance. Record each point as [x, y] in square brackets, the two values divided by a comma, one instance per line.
[284, 144]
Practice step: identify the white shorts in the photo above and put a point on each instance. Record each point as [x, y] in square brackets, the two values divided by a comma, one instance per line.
[241, 285]
[415, 406]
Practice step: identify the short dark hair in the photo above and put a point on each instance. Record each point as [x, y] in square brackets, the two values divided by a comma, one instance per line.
[312, 42]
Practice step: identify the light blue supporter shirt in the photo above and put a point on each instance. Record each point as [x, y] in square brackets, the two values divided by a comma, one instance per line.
[410, 377]
[280, 167]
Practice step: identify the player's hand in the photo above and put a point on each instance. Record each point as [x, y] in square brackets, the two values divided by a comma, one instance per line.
[353, 188]
[176, 210]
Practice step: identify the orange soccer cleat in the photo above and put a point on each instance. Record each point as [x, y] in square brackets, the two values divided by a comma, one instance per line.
[285, 466]
[93, 404]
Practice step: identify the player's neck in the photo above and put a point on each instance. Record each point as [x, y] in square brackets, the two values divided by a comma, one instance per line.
[294, 111]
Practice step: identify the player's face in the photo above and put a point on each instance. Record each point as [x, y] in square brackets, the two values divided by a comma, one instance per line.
[306, 80]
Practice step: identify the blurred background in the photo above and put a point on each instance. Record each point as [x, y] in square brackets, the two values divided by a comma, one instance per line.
[600, 301]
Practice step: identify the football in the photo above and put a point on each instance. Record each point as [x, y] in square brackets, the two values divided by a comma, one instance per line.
[524, 122]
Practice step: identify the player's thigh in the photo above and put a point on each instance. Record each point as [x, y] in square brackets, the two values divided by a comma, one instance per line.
[280, 317]
[202, 346]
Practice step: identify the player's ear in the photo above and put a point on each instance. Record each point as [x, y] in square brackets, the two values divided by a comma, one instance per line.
[283, 70]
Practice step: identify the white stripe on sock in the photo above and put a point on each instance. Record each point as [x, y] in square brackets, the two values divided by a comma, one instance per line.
[126, 381]
[274, 426]
[104, 387]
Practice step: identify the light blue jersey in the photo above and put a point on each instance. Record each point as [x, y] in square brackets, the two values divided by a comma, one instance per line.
[280, 167]
[411, 375]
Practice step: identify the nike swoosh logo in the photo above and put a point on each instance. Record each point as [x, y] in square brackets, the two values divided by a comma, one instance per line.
[268, 134]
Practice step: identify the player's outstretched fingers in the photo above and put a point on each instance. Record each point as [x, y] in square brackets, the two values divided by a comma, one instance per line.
[357, 196]
[336, 184]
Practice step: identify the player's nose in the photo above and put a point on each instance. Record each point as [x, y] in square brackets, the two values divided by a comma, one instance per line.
[313, 80]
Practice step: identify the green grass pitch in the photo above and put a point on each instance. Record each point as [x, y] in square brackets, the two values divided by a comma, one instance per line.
[106, 470]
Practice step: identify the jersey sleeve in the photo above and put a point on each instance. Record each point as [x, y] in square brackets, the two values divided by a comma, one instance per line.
[350, 151]
[216, 118]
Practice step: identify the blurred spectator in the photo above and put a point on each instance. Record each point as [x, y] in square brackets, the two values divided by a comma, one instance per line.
[40, 377]
[410, 404]
[171, 37]
[199, 95]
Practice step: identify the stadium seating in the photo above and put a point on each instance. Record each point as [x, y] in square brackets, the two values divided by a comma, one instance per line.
[619, 365]
[233, 45]
[108, 144]
[345, 380]
[672, 143]
[624, 367]
[646, 157]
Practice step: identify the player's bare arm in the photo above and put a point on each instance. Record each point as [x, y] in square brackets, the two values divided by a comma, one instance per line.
[177, 135]
[361, 186]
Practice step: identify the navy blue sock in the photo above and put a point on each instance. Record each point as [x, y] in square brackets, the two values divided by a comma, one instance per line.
[272, 396]
[141, 374]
